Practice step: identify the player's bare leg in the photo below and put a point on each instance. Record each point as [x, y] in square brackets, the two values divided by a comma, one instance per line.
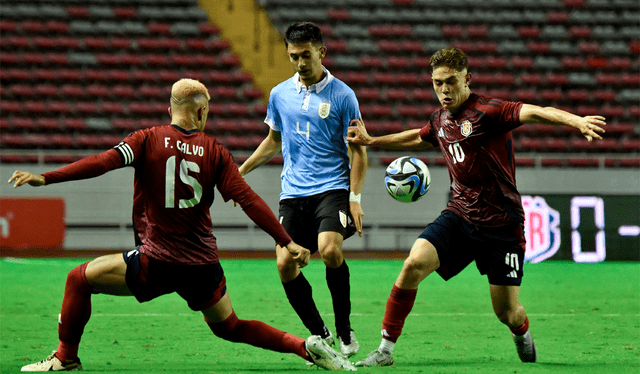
[510, 312]
[422, 261]
[105, 274]
[338, 281]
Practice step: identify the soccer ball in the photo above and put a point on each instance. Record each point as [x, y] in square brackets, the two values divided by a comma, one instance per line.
[407, 179]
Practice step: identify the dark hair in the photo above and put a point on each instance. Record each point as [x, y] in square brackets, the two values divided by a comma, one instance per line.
[450, 57]
[302, 32]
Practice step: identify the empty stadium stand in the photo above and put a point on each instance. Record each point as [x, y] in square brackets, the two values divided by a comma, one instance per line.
[76, 77]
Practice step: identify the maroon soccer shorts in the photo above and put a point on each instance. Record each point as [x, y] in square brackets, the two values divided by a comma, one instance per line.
[497, 251]
[201, 286]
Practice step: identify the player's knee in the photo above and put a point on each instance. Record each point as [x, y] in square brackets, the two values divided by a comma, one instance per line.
[286, 265]
[414, 265]
[509, 316]
[332, 256]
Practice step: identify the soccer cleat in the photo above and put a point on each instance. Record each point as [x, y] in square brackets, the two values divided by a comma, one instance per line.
[325, 357]
[53, 363]
[377, 358]
[329, 339]
[526, 347]
[349, 346]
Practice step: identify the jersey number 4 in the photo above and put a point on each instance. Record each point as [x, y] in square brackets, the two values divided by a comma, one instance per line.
[170, 183]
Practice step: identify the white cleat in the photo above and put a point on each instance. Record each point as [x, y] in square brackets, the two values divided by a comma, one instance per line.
[330, 340]
[526, 347]
[377, 358]
[349, 348]
[53, 363]
[325, 357]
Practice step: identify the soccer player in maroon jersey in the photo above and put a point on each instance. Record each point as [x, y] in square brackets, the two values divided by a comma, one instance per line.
[484, 220]
[176, 168]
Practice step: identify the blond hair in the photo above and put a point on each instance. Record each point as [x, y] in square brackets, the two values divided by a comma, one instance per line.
[188, 91]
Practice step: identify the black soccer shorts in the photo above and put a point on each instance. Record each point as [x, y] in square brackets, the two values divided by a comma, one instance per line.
[497, 251]
[305, 217]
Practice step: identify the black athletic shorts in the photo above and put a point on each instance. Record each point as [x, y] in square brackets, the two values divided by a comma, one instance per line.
[305, 217]
[201, 286]
[497, 251]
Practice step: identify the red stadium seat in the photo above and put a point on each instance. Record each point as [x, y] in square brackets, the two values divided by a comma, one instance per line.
[529, 32]
[573, 62]
[159, 28]
[111, 107]
[526, 95]
[48, 124]
[74, 124]
[368, 93]
[538, 47]
[123, 91]
[97, 90]
[557, 17]
[397, 62]
[533, 79]
[411, 111]
[630, 145]
[396, 94]
[61, 141]
[81, 12]
[422, 94]
[580, 32]
[589, 47]
[583, 162]
[86, 107]
[552, 162]
[557, 79]
[525, 161]
[125, 12]
[125, 124]
[452, 31]
[579, 95]
[338, 15]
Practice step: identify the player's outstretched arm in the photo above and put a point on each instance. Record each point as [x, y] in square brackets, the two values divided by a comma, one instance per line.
[23, 177]
[589, 126]
[408, 140]
[299, 253]
[267, 150]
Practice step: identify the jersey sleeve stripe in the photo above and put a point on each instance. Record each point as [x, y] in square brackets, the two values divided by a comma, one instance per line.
[126, 152]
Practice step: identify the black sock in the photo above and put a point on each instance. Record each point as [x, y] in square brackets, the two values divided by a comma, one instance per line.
[338, 282]
[300, 297]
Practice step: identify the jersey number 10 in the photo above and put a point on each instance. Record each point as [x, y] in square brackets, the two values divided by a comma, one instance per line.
[170, 183]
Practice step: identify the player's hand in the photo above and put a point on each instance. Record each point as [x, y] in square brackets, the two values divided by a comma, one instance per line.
[357, 133]
[355, 208]
[299, 253]
[22, 177]
[590, 128]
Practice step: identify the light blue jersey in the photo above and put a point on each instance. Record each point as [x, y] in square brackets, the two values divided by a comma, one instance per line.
[313, 125]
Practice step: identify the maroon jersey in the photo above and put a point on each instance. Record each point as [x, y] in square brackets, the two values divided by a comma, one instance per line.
[176, 172]
[477, 145]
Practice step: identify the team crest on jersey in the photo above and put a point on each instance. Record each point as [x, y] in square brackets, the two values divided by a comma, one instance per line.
[324, 109]
[465, 128]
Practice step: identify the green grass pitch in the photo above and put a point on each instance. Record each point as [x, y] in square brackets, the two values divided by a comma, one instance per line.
[585, 318]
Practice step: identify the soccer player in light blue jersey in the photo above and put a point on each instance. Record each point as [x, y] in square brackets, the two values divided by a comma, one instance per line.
[308, 116]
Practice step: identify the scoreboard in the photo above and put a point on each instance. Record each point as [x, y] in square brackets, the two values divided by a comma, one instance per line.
[582, 228]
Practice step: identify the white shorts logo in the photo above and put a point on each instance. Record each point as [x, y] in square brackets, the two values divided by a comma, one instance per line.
[324, 109]
[343, 218]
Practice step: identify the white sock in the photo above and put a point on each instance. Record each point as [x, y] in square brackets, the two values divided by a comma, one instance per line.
[386, 345]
